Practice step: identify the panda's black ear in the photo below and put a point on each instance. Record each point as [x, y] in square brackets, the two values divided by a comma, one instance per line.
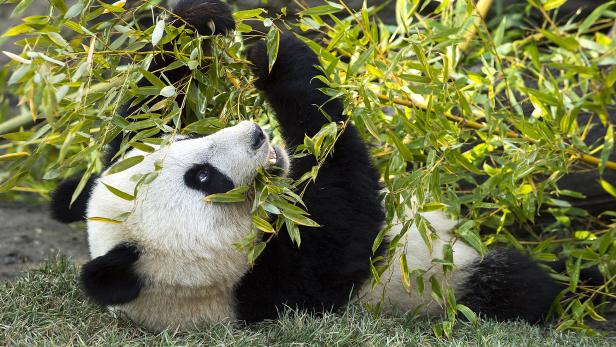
[111, 279]
[61, 208]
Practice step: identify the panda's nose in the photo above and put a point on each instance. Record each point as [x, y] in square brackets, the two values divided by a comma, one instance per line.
[258, 138]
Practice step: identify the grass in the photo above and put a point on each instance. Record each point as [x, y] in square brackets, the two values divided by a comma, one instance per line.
[45, 307]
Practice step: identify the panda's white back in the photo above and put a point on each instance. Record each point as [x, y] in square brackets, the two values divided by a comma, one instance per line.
[390, 291]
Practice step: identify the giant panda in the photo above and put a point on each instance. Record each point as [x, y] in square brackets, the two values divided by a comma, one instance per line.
[172, 263]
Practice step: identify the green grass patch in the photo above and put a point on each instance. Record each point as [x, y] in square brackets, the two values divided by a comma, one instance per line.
[46, 307]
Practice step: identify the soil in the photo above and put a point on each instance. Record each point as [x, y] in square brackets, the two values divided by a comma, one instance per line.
[28, 236]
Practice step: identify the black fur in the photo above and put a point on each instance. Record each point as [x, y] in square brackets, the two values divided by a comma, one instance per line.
[334, 258]
[198, 14]
[204, 15]
[60, 207]
[216, 181]
[508, 285]
[111, 279]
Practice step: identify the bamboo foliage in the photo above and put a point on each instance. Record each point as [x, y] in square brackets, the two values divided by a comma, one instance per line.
[445, 113]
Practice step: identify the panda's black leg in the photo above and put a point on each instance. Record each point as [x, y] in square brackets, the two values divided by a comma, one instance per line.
[507, 285]
[207, 17]
[111, 279]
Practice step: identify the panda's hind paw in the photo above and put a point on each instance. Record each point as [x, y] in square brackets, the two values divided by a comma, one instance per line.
[209, 17]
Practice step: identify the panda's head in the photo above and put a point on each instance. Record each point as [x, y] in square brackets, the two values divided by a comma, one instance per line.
[183, 240]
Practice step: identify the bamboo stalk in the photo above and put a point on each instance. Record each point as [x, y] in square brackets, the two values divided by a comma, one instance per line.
[588, 159]
[481, 10]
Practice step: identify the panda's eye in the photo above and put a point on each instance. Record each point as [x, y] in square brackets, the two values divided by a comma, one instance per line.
[203, 175]
[207, 179]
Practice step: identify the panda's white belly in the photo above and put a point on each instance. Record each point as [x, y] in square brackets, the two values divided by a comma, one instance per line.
[396, 295]
[181, 307]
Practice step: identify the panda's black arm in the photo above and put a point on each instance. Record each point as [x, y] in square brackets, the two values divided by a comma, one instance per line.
[344, 199]
[111, 278]
[292, 89]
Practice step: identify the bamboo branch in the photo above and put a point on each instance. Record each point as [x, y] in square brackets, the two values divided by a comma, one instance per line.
[16, 122]
[588, 159]
[481, 10]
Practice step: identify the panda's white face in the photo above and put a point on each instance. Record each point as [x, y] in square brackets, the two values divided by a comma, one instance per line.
[184, 240]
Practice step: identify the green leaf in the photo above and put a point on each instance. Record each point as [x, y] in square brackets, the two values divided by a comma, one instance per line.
[119, 193]
[235, 195]
[272, 43]
[255, 251]
[552, 4]
[320, 10]
[105, 220]
[358, 63]
[246, 14]
[470, 236]
[567, 42]
[465, 163]
[167, 91]
[293, 232]
[125, 164]
[80, 186]
[262, 224]
[300, 219]
[594, 15]
[59, 4]
[153, 79]
[404, 270]
[11, 182]
[74, 10]
[468, 313]
[608, 187]
[21, 7]
[404, 151]
[17, 30]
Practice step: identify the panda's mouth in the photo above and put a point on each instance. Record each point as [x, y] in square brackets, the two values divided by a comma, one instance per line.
[272, 157]
[277, 162]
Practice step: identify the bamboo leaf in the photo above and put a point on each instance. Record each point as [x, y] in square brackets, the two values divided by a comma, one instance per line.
[272, 44]
[159, 31]
[125, 164]
[235, 195]
[119, 193]
[105, 220]
[262, 224]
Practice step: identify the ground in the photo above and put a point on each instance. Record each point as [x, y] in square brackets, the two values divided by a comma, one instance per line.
[46, 307]
[28, 236]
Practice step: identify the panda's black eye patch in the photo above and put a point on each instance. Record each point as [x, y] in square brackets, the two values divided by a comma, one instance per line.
[207, 179]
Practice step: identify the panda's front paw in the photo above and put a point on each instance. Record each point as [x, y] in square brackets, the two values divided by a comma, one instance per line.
[209, 17]
[295, 61]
